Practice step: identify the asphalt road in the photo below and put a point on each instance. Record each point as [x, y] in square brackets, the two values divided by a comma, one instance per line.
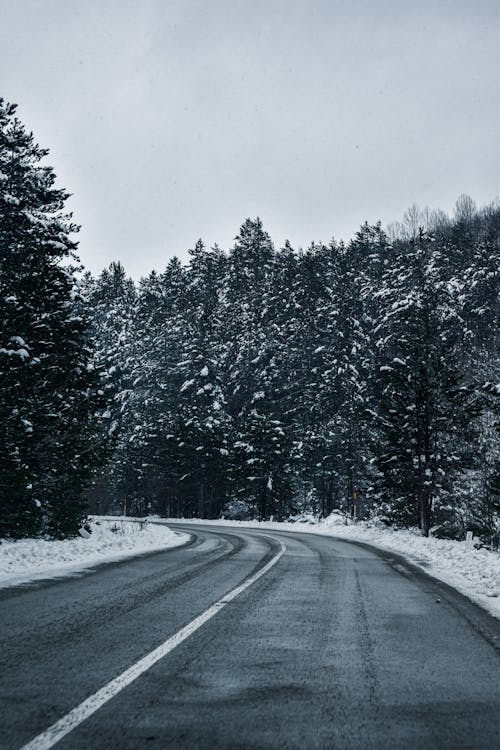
[334, 646]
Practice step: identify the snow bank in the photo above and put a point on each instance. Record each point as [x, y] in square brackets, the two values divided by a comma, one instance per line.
[473, 572]
[110, 540]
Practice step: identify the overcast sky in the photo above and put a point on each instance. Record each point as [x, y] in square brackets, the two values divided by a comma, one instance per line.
[170, 120]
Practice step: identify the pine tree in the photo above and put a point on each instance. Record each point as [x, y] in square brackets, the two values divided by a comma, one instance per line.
[420, 405]
[110, 303]
[49, 392]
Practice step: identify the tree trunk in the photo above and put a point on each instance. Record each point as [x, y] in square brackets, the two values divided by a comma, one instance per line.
[425, 514]
[201, 499]
[263, 501]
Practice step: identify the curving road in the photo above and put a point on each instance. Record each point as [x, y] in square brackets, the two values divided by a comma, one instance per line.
[328, 644]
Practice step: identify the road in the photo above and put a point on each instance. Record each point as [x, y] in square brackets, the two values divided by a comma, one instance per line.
[328, 644]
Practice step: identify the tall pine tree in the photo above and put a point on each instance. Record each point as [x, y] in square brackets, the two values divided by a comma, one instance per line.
[49, 388]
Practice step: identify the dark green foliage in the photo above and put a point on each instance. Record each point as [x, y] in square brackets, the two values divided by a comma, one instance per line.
[48, 384]
[269, 382]
[259, 382]
[420, 406]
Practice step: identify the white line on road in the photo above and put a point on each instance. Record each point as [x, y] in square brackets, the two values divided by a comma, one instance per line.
[89, 706]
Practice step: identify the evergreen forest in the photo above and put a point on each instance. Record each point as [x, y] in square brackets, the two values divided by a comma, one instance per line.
[252, 382]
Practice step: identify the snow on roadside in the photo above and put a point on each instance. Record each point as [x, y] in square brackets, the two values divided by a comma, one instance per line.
[111, 540]
[473, 572]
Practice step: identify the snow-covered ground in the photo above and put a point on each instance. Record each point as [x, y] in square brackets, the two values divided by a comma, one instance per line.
[473, 572]
[110, 541]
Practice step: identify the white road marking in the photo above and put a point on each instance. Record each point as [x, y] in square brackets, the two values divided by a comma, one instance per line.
[61, 728]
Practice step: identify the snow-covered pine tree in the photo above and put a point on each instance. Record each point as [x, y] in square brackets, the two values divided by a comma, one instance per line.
[308, 348]
[473, 256]
[420, 407]
[110, 303]
[49, 389]
[258, 386]
[203, 426]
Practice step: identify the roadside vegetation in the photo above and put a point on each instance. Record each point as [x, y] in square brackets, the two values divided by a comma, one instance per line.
[257, 382]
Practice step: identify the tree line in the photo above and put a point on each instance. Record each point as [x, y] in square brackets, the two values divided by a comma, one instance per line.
[256, 382]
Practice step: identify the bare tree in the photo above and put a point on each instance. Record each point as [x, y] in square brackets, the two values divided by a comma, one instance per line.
[465, 208]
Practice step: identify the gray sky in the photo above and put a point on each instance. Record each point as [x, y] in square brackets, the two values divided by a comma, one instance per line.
[174, 119]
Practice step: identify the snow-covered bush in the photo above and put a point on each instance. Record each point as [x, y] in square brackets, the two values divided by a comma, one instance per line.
[238, 510]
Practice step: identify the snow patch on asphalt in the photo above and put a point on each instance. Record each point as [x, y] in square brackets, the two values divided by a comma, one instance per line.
[473, 572]
[110, 541]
